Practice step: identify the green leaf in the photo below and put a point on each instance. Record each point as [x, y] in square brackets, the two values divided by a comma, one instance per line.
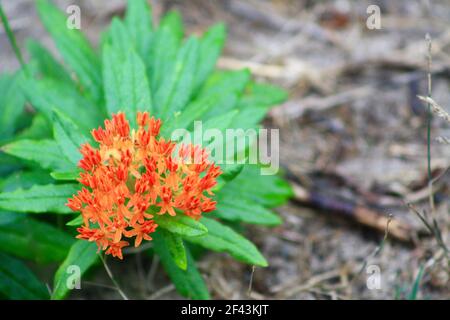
[111, 78]
[229, 84]
[8, 164]
[173, 22]
[78, 220]
[11, 105]
[262, 95]
[46, 153]
[66, 175]
[416, 285]
[272, 191]
[47, 65]
[231, 171]
[193, 111]
[180, 224]
[135, 90]
[49, 94]
[126, 85]
[7, 217]
[34, 240]
[39, 199]
[83, 61]
[18, 282]
[176, 248]
[138, 20]
[38, 130]
[82, 254]
[189, 282]
[224, 239]
[243, 210]
[162, 55]
[68, 136]
[24, 180]
[178, 83]
[211, 45]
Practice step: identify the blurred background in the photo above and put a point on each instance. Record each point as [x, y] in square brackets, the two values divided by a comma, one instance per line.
[353, 143]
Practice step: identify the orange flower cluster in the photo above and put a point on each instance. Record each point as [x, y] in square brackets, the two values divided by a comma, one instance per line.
[133, 175]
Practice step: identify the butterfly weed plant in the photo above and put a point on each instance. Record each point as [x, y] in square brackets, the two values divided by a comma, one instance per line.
[89, 164]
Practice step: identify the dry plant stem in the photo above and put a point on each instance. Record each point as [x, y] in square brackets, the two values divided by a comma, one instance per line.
[376, 251]
[366, 216]
[161, 292]
[100, 285]
[430, 177]
[286, 291]
[423, 193]
[432, 228]
[116, 285]
[249, 291]
[152, 272]
[436, 108]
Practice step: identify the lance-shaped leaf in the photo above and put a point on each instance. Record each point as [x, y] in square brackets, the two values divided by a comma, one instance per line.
[211, 45]
[180, 224]
[77, 221]
[49, 94]
[273, 191]
[45, 153]
[262, 95]
[229, 84]
[39, 199]
[138, 20]
[173, 22]
[239, 209]
[68, 136]
[178, 83]
[18, 282]
[34, 240]
[126, 85]
[24, 180]
[82, 256]
[11, 105]
[163, 52]
[176, 247]
[189, 282]
[66, 175]
[38, 130]
[224, 239]
[83, 61]
[46, 64]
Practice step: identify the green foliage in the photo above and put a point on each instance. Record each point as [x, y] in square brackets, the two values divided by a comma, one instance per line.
[138, 67]
[34, 240]
[222, 238]
[188, 282]
[126, 84]
[39, 199]
[83, 61]
[175, 245]
[45, 153]
[138, 21]
[68, 136]
[18, 281]
[82, 254]
[181, 225]
[11, 105]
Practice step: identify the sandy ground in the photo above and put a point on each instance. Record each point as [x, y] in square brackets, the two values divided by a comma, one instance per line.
[352, 116]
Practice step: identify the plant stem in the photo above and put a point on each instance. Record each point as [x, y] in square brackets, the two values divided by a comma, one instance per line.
[11, 37]
[430, 117]
[108, 271]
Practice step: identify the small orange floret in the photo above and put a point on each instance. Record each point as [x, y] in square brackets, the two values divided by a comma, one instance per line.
[133, 175]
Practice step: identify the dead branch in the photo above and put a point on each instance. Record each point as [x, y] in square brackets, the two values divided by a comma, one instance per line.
[366, 216]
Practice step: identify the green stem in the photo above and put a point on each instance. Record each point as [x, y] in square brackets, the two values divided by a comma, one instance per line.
[11, 37]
